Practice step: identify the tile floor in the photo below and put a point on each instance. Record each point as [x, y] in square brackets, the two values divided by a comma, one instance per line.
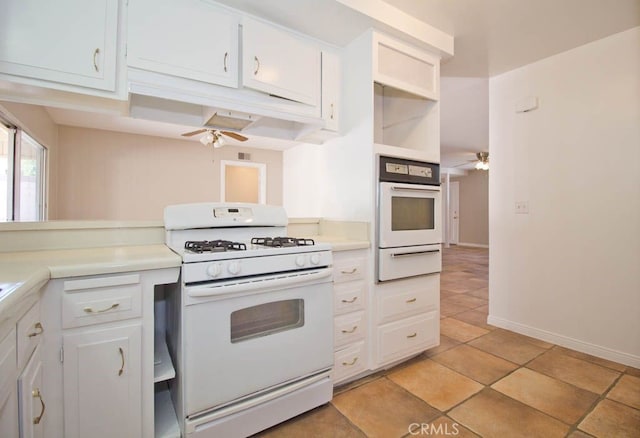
[481, 381]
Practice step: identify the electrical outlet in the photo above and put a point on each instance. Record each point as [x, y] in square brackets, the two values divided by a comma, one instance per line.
[522, 207]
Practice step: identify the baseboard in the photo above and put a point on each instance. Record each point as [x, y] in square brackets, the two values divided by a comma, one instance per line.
[472, 245]
[565, 341]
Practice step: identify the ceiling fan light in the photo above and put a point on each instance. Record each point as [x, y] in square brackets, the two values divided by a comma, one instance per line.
[207, 139]
[479, 165]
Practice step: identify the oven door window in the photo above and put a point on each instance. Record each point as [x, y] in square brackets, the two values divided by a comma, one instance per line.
[410, 213]
[266, 319]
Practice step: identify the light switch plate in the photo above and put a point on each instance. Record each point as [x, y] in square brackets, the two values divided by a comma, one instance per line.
[522, 207]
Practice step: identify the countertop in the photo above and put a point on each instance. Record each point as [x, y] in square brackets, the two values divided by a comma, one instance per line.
[22, 274]
[341, 243]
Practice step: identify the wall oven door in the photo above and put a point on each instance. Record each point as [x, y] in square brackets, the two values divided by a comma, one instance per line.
[246, 338]
[409, 214]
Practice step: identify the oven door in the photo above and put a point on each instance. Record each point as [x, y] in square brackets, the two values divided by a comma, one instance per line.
[244, 339]
[409, 214]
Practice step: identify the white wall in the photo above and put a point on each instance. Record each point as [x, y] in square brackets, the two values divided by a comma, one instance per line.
[119, 176]
[569, 271]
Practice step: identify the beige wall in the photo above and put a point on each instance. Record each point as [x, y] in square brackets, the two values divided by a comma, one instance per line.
[474, 208]
[35, 121]
[568, 271]
[118, 176]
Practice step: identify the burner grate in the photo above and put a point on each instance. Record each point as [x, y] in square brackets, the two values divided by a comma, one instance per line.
[278, 242]
[200, 246]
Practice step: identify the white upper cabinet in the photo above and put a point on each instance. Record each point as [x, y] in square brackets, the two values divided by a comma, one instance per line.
[65, 41]
[331, 91]
[280, 63]
[188, 38]
[405, 67]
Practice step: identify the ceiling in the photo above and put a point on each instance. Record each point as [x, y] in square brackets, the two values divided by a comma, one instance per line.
[495, 36]
[491, 37]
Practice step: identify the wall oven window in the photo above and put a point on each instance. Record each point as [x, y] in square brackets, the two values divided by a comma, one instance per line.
[266, 319]
[412, 213]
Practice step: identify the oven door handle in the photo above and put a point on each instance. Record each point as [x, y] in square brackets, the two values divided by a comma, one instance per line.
[413, 189]
[415, 253]
[263, 283]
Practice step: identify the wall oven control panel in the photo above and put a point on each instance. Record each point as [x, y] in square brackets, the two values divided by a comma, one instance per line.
[408, 171]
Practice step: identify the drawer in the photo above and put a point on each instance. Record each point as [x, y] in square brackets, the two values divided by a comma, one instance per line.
[348, 297]
[8, 363]
[396, 263]
[98, 300]
[408, 298]
[349, 328]
[349, 361]
[348, 269]
[29, 332]
[401, 339]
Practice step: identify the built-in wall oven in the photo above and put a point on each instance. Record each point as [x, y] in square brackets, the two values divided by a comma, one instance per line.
[409, 218]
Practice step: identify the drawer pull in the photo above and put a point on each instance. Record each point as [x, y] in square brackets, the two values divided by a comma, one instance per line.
[353, 271]
[257, 61]
[39, 330]
[90, 310]
[352, 300]
[355, 327]
[36, 394]
[412, 300]
[348, 364]
[96, 52]
[412, 335]
[224, 62]
[122, 358]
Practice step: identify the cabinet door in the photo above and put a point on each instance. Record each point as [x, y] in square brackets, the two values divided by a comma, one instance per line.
[67, 41]
[188, 38]
[330, 90]
[8, 388]
[32, 399]
[280, 63]
[102, 382]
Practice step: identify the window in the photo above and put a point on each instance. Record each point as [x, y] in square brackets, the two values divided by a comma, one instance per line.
[22, 176]
[243, 181]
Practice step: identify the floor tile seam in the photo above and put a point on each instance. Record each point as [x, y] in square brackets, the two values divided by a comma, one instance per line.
[417, 398]
[348, 419]
[610, 388]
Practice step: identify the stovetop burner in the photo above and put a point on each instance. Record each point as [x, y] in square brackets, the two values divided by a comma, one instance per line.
[200, 246]
[281, 241]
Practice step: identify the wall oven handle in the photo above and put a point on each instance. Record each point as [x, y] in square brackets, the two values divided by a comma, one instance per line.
[407, 254]
[413, 189]
[250, 286]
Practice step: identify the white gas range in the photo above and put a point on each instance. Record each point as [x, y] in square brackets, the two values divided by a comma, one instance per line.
[252, 325]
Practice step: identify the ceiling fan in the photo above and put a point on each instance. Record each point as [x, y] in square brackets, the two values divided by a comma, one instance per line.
[214, 137]
[482, 161]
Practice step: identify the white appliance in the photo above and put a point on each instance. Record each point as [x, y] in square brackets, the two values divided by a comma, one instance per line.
[409, 218]
[254, 317]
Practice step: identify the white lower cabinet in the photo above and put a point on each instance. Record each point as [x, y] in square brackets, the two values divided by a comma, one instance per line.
[32, 406]
[8, 387]
[350, 327]
[406, 318]
[103, 382]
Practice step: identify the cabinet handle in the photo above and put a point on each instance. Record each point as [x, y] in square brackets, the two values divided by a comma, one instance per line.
[226, 56]
[90, 310]
[122, 358]
[412, 300]
[255, 58]
[355, 327]
[39, 330]
[331, 115]
[412, 335]
[36, 394]
[352, 300]
[353, 271]
[348, 364]
[96, 52]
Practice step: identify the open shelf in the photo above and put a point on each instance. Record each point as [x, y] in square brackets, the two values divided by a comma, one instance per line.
[162, 365]
[165, 420]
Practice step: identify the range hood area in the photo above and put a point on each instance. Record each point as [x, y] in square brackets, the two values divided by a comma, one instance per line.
[190, 103]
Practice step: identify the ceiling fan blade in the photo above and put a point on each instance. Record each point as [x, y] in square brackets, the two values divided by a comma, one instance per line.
[199, 131]
[234, 135]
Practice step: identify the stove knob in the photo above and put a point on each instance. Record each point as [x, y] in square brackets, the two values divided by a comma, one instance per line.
[214, 270]
[234, 268]
[315, 259]
[300, 261]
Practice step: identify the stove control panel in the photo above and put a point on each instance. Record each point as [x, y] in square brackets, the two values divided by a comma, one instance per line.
[223, 269]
